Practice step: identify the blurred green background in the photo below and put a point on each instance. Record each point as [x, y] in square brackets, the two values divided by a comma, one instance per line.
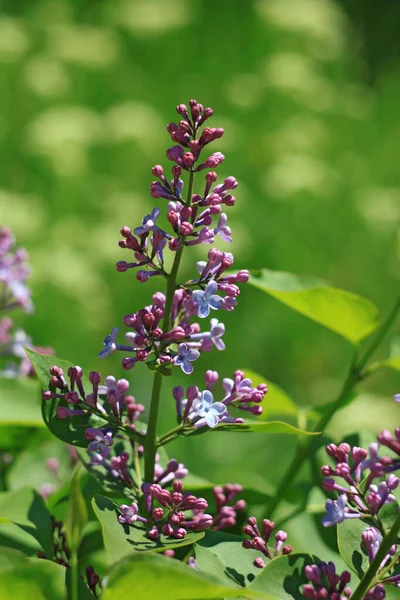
[308, 92]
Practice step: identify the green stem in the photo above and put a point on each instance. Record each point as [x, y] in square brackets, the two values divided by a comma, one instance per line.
[369, 578]
[387, 569]
[355, 374]
[74, 575]
[150, 443]
[170, 435]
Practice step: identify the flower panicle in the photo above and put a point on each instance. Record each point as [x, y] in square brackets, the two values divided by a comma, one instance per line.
[259, 541]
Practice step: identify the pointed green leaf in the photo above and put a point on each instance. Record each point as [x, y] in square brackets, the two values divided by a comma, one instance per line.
[349, 315]
[349, 543]
[38, 579]
[147, 576]
[276, 401]
[283, 577]
[26, 510]
[70, 430]
[263, 427]
[223, 555]
[121, 540]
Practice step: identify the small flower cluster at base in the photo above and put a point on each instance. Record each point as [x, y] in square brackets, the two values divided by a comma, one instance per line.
[105, 399]
[371, 540]
[226, 512]
[199, 409]
[172, 514]
[326, 584]
[260, 541]
[359, 496]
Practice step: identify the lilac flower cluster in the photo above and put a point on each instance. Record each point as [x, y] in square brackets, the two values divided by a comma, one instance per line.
[190, 222]
[199, 409]
[226, 505]
[259, 541]
[171, 513]
[326, 584]
[14, 272]
[357, 468]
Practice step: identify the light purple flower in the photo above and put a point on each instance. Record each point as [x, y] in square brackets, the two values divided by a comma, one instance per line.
[109, 344]
[128, 513]
[208, 409]
[185, 357]
[101, 443]
[222, 228]
[148, 223]
[207, 299]
[337, 512]
[397, 397]
[209, 338]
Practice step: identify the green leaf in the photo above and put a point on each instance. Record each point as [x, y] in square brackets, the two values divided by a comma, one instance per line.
[71, 430]
[36, 578]
[349, 315]
[388, 363]
[30, 466]
[121, 540]
[349, 543]
[10, 558]
[223, 555]
[155, 577]
[20, 415]
[77, 516]
[26, 510]
[283, 577]
[256, 427]
[276, 402]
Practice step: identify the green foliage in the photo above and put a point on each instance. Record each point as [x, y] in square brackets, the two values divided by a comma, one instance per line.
[222, 554]
[347, 314]
[39, 579]
[155, 577]
[349, 543]
[71, 431]
[121, 540]
[283, 577]
[26, 511]
[20, 415]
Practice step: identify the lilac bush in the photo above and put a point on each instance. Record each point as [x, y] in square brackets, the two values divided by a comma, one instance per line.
[149, 503]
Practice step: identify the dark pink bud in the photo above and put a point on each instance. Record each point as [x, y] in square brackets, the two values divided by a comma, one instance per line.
[157, 171]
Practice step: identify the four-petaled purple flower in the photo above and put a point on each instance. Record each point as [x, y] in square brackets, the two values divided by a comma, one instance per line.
[185, 357]
[207, 299]
[337, 512]
[101, 443]
[222, 228]
[109, 344]
[209, 410]
[148, 223]
[128, 513]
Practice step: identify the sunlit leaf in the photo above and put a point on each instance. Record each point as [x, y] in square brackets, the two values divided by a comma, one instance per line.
[25, 510]
[283, 577]
[349, 315]
[349, 543]
[276, 401]
[70, 430]
[155, 577]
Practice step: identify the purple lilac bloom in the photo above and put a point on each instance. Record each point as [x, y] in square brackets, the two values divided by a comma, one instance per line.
[100, 443]
[148, 223]
[129, 514]
[185, 357]
[209, 411]
[207, 339]
[337, 512]
[207, 299]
